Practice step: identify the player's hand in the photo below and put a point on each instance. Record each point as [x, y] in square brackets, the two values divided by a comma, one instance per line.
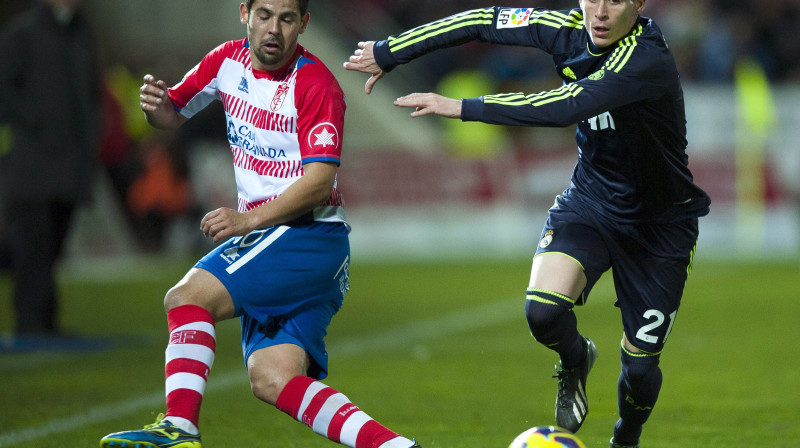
[363, 60]
[153, 95]
[430, 103]
[224, 223]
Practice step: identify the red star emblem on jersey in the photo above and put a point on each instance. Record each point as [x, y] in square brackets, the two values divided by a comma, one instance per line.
[325, 135]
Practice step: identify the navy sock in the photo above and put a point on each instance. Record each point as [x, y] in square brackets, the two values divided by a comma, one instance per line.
[553, 324]
[637, 392]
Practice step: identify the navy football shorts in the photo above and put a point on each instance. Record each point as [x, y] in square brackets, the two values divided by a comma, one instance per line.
[286, 283]
[650, 264]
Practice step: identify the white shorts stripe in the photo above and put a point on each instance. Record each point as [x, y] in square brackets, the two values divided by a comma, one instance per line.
[184, 380]
[326, 413]
[313, 389]
[256, 250]
[352, 426]
[190, 351]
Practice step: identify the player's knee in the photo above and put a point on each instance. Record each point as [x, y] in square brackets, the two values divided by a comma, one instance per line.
[543, 318]
[186, 294]
[640, 369]
[268, 385]
[174, 298]
[266, 389]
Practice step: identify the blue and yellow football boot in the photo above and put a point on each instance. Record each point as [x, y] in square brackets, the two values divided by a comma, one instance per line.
[161, 434]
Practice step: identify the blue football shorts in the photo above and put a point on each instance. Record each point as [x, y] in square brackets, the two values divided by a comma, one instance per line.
[286, 283]
[650, 264]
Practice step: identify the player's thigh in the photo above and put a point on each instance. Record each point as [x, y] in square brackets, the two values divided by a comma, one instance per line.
[271, 272]
[557, 272]
[571, 255]
[304, 327]
[650, 281]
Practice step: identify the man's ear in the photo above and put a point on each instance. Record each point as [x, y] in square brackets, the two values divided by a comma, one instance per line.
[244, 14]
[304, 21]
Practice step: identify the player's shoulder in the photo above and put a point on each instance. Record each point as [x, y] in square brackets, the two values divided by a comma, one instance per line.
[649, 34]
[230, 49]
[313, 72]
[647, 47]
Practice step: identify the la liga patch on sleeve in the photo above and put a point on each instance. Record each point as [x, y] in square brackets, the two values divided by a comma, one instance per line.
[513, 18]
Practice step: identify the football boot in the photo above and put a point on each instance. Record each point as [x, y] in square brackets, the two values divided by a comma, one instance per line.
[571, 402]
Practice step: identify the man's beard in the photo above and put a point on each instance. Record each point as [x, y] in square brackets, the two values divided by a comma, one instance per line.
[265, 58]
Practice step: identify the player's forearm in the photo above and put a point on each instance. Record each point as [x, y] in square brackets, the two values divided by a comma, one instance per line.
[311, 190]
[416, 42]
[473, 25]
[165, 119]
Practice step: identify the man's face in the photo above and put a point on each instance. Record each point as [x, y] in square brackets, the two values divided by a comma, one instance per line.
[608, 21]
[273, 27]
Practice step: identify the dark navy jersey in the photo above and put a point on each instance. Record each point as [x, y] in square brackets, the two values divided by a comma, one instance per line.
[626, 100]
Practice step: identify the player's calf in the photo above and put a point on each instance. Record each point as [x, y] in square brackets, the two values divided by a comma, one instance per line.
[637, 391]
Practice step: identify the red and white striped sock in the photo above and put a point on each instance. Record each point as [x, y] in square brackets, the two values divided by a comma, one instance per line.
[189, 356]
[331, 414]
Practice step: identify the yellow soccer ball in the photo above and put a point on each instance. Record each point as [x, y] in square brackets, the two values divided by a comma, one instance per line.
[547, 437]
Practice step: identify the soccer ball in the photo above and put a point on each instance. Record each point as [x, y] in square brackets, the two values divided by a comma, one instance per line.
[547, 437]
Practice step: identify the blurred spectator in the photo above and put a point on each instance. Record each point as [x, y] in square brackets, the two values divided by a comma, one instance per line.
[140, 166]
[50, 105]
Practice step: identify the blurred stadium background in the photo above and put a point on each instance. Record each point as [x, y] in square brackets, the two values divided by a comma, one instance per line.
[437, 188]
[454, 208]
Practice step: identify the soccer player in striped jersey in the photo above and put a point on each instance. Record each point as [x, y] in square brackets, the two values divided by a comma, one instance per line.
[631, 203]
[284, 269]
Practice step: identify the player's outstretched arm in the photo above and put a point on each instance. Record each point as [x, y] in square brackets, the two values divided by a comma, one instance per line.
[156, 105]
[430, 103]
[363, 60]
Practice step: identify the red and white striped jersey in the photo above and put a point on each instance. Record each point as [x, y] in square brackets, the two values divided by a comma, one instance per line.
[277, 120]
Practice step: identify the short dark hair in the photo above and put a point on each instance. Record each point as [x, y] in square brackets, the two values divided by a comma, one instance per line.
[303, 6]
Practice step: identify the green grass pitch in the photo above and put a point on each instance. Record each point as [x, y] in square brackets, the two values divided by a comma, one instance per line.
[436, 351]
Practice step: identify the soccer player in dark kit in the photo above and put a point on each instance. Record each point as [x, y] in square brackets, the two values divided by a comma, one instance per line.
[631, 204]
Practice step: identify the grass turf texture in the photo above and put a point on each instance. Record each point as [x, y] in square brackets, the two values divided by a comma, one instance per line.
[440, 352]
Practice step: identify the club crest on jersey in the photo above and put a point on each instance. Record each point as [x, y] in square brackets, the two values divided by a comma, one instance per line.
[325, 135]
[547, 239]
[513, 18]
[280, 95]
[598, 75]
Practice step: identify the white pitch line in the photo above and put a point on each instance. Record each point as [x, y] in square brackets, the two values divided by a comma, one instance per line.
[404, 336]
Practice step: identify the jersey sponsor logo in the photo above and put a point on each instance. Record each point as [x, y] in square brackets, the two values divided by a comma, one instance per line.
[243, 86]
[513, 18]
[244, 137]
[324, 134]
[280, 95]
[602, 122]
